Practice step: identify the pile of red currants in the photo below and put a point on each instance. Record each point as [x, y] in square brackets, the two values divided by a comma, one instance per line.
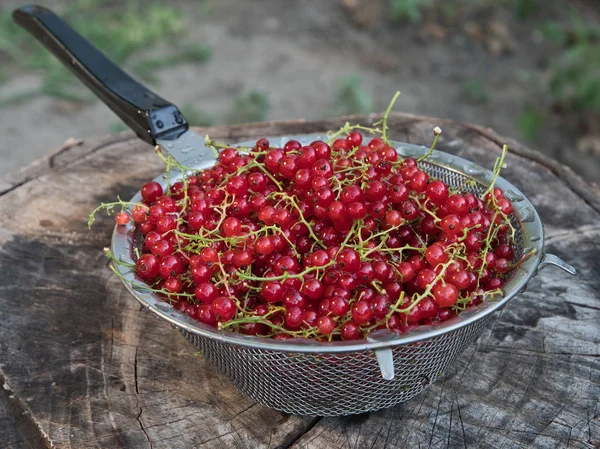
[328, 241]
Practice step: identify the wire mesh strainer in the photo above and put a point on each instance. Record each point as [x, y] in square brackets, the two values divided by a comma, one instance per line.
[342, 378]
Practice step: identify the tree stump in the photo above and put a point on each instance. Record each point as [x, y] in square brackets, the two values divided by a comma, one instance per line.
[83, 367]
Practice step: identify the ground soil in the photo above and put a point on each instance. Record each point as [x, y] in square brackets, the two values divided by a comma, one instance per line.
[296, 51]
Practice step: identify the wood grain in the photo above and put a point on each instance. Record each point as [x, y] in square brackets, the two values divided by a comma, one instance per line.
[83, 367]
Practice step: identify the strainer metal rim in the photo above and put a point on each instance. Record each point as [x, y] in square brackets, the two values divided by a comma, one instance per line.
[533, 239]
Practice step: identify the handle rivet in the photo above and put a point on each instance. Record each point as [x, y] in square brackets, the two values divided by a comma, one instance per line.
[178, 120]
[160, 124]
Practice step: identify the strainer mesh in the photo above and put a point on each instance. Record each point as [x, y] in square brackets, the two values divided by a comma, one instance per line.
[326, 384]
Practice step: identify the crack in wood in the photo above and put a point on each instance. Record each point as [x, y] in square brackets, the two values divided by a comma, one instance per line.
[142, 426]
[137, 392]
[243, 411]
[437, 411]
[460, 418]
[135, 372]
[47, 164]
[585, 306]
[290, 444]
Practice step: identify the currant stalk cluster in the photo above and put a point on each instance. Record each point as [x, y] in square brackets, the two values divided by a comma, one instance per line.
[329, 241]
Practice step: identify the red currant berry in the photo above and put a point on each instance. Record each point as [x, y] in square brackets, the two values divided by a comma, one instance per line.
[147, 266]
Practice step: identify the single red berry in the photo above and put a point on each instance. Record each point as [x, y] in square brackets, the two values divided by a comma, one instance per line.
[375, 190]
[209, 255]
[293, 317]
[505, 206]
[325, 325]
[362, 312]
[377, 210]
[262, 144]
[173, 285]
[365, 273]
[406, 271]
[503, 266]
[139, 213]
[445, 295]
[223, 308]
[292, 145]
[122, 218]
[201, 273]
[170, 266]
[264, 245]
[151, 191]
[322, 168]
[272, 291]
[437, 192]
[273, 159]
[350, 331]
[356, 210]
[451, 225]
[322, 149]
[237, 185]
[161, 248]
[206, 292]
[457, 204]
[409, 210]
[494, 283]
[231, 227]
[392, 219]
[418, 181]
[425, 278]
[376, 143]
[504, 251]
[337, 211]
[354, 138]
[196, 220]
[313, 289]
[348, 260]
[288, 166]
[324, 196]
[147, 266]
[461, 280]
[339, 306]
[435, 255]
[307, 156]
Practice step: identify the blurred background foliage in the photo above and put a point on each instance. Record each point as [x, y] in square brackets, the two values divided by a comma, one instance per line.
[561, 81]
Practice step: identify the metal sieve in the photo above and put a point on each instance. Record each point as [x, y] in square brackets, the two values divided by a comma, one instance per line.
[341, 378]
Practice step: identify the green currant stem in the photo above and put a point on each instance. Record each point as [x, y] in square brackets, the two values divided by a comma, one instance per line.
[109, 207]
[497, 168]
[418, 298]
[523, 259]
[269, 175]
[347, 128]
[301, 216]
[119, 262]
[286, 275]
[431, 148]
[488, 244]
[348, 235]
[384, 120]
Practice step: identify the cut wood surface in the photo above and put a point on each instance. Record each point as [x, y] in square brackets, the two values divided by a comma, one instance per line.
[83, 367]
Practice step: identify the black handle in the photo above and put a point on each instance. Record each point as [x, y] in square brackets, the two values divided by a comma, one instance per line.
[150, 116]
